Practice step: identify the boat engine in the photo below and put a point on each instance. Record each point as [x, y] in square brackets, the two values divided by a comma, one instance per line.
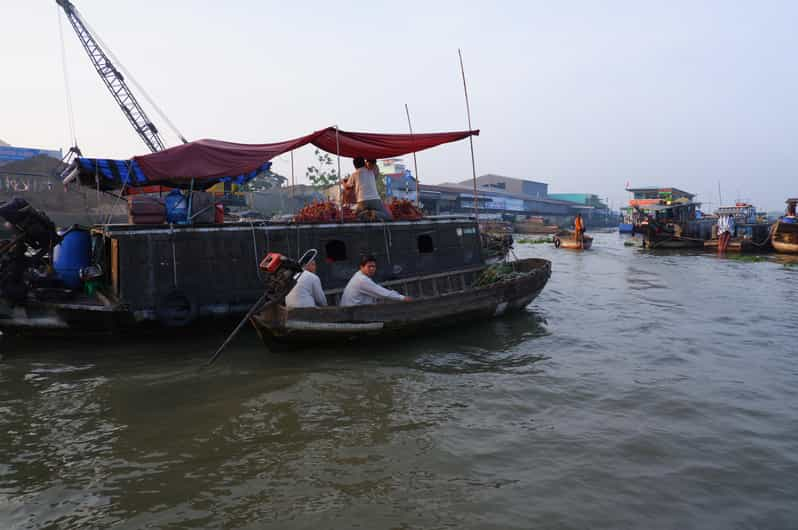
[26, 257]
[280, 274]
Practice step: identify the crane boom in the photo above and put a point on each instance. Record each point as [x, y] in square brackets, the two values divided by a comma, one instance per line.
[114, 80]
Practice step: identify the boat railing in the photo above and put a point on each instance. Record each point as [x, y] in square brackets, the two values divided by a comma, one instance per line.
[429, 285]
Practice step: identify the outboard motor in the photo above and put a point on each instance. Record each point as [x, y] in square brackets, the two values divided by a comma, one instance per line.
[29, 250]
[280, 274]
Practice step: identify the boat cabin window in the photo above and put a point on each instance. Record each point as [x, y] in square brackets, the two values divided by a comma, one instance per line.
[425, 245]
[335, 250]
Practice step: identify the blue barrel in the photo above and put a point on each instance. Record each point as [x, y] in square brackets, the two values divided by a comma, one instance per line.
[176, 208]
[71, 255]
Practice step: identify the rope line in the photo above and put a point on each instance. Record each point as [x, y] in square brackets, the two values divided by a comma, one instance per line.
[67, 91]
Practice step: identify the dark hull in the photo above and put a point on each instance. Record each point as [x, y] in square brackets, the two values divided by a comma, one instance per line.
[456, 302]
[666, 242]
[166, 276]
[743, 246]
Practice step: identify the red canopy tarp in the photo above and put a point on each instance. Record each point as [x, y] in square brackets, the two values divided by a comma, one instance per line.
[213, 159]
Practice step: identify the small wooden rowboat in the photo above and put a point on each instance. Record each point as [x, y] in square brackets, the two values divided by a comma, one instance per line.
[438, 300]
[571, 243]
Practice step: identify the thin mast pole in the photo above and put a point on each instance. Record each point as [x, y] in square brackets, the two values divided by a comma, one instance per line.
[415, 160]
[470, 138]
[340, 181]
[293, 183]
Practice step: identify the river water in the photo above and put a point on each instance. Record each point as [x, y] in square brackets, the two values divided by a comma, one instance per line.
[639, 390]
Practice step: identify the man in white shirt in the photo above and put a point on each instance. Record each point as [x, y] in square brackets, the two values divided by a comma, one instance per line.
[307, 292]
[361, 289]
[725, 231]
[365, 185]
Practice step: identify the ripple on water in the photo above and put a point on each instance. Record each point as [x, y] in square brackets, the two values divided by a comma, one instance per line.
[639, 390]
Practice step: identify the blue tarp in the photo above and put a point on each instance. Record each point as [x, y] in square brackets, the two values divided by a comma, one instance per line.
[111, 174]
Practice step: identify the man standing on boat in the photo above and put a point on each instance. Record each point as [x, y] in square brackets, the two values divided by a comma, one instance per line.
[307, 292]
[579, 229]
[725, 231]
[363, 182]
[361, 289]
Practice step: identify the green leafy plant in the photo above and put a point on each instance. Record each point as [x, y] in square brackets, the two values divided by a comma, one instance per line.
[323, 174]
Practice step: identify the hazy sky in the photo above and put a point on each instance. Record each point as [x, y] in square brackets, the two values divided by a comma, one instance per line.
[583, 95]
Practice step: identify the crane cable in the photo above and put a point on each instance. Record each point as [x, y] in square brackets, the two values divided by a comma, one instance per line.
[129, 76]
[67, 91]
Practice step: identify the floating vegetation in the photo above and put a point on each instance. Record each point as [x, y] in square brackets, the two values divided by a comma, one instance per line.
[496, 273]
[747, 258]
[630, 243]
[537, 241]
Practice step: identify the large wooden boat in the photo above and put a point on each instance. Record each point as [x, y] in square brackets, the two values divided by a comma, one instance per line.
[438, 300]
[674, 226]
[124, 275]
[176, 275]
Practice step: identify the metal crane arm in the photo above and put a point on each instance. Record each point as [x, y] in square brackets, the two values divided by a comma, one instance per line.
[114, 80]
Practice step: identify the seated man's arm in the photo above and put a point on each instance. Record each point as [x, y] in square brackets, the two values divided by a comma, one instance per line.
[376, 291]
[318, 292]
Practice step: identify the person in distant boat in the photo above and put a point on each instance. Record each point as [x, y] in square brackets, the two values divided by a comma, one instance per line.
[307, 292]
[364, 184]
[361, 289]
[725, 231]
[579, 230]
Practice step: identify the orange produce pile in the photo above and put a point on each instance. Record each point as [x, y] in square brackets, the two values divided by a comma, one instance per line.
[404, 210]
[323, 212]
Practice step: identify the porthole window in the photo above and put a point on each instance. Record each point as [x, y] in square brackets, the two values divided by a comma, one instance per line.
[425, 245]
[335, 250]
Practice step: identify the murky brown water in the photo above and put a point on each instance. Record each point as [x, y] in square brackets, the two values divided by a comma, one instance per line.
[639, 391]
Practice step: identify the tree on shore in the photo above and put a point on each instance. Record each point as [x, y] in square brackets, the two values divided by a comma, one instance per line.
[323, 174]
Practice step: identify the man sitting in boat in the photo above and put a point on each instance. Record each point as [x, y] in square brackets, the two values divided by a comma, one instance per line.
[307, 292]
[363, 182]
[361, 289]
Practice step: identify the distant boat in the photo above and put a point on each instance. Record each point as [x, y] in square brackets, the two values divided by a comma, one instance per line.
[570, 242]
[673, 225]
[534, 225]
[785, 232]
[751, 233]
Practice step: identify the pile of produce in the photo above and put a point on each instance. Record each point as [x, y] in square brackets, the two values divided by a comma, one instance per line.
[404, 210]
[324, 212]
[496, 273]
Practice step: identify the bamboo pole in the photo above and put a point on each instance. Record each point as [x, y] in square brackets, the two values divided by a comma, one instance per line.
[415, 160]
[470, 138]
[340, 180]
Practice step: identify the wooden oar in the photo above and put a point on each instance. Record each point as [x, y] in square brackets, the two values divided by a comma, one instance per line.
[258, 305]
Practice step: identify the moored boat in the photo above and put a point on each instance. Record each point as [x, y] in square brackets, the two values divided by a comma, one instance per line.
[438, 300]
[154, 271]
[785, 231]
